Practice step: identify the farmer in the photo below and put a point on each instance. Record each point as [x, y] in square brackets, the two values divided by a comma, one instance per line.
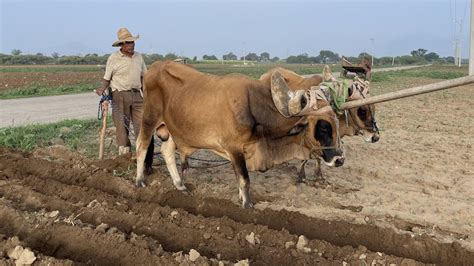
[124, 76]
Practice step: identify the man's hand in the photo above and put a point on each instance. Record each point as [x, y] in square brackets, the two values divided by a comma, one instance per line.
[105, 84]
[100, 91]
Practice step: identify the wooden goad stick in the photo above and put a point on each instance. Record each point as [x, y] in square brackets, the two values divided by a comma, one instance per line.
[105, 110]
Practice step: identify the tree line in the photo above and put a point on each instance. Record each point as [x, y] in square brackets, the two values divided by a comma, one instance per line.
[325, 57]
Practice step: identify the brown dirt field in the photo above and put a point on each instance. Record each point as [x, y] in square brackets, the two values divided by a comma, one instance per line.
[15, 80]
[406, 200]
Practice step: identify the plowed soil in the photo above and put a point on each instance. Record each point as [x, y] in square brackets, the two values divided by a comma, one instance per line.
[406, 200]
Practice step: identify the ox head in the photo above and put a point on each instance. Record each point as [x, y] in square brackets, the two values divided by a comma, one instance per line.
[359, 120]
[318, 127]
[362, 118]
[322, 137]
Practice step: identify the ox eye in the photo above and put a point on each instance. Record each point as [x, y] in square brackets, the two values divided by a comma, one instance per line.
[303, 102]
[361, 112]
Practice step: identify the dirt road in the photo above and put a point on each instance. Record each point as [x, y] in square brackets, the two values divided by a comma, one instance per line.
[41, 110]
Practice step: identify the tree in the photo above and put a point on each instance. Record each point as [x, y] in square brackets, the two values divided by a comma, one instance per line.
[229, 56]
[409, 60]
[449, 59]
[16, 52]
[274, 59]
[265, 56]
[209, 57]
[364, 55]
[55, 55]
[431, 56]
[302, 59]
[170, 56]
[252, 57]
[419, 52]
[195, 58]
[326, 56]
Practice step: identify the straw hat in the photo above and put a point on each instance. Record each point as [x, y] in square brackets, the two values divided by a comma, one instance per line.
[124, 36]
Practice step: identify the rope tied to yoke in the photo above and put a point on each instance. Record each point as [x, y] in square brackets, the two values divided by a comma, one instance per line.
[337, 91]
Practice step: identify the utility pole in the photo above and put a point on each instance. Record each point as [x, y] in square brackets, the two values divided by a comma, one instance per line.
[243, 45]
[471, 42]
[456, 52]
[460, 54]
[372, 39]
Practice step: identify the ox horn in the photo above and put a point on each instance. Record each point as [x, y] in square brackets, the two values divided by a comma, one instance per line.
[409, 92]
[280, 93]
[290, 103]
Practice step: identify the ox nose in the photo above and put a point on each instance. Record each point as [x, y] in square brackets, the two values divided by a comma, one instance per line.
[339, 161]
[375, 138]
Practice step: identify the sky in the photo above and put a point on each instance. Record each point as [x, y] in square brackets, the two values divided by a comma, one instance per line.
[212, 27]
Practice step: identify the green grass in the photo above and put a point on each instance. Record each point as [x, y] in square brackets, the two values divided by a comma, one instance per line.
[41, 90]
[432, 72]
[77, 135]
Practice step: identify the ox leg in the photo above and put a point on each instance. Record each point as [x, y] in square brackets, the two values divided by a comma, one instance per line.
[143, 142]
[242, 175]
[184, 165]
[168, 149]
[149, 157]
[301, 173]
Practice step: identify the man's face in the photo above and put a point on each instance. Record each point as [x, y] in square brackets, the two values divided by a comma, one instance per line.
[128, 47]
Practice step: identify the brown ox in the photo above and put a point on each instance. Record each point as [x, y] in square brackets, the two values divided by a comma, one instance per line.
[356, 121]
[233, 116]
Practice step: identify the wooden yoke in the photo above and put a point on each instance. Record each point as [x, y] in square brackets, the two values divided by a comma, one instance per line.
[409, 92]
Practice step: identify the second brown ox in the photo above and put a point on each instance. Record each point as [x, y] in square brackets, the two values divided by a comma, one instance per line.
[355, 121]
[233, 116]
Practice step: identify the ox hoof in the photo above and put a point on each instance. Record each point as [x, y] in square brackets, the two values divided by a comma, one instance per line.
[184, 190]
[140, 183]
[247, 205]
[300, 180]
[148, 170]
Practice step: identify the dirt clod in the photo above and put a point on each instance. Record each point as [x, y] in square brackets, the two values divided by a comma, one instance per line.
[289, 244]
[302, 242]
[193, 255]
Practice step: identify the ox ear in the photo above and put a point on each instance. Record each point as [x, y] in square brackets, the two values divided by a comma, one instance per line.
[327, 74]
[299, 127]
[280, 93]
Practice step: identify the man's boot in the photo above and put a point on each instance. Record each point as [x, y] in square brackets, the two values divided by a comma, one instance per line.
[123, 150]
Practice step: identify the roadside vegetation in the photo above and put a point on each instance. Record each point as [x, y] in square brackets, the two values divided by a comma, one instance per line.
[77, 135]
[432, 72]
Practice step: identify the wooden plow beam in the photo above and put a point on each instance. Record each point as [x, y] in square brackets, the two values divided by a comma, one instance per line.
[409, 92]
